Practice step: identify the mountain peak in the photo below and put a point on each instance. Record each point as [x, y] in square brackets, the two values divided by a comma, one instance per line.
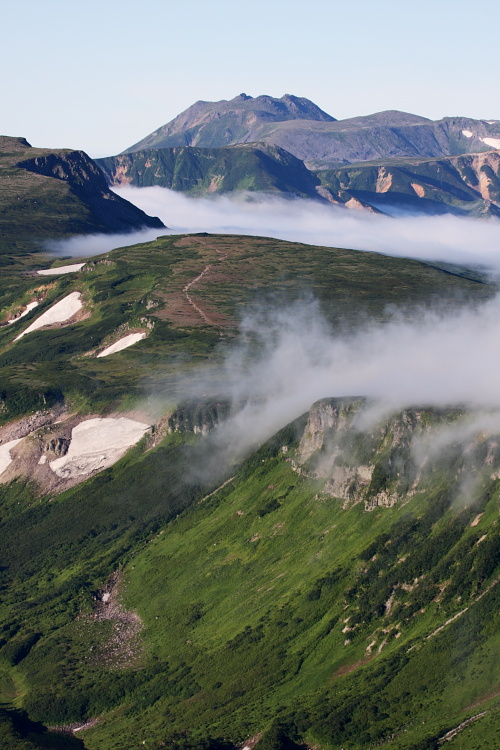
[237, 120]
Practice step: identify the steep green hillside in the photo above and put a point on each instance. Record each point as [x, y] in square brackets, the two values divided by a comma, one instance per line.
[274, 606]
[179, 599]
[254, 167]
[48, 194]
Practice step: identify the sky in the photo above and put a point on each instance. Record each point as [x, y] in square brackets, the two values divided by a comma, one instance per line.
[102, 75]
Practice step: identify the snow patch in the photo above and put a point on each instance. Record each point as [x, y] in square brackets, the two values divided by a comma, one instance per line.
[493, 142]
[467, 133]
[96, 444]
[5, 457]
[123, 343]
[58, 313]
[61, 269]
[30, 306]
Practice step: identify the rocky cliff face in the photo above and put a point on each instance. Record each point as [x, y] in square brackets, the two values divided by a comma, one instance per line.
[401, 455]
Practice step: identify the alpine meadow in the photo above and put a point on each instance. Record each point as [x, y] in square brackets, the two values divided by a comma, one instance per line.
[268, 516]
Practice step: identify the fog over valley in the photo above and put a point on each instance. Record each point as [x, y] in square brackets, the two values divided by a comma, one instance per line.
[446, 238]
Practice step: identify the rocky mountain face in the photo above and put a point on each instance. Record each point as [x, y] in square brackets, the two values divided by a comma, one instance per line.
[86, 181]
[395, 457]
[465, 185]
[239, 120]
[300, 127]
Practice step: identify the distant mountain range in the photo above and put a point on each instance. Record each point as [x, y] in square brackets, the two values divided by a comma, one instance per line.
[299, 126]
[389, 161]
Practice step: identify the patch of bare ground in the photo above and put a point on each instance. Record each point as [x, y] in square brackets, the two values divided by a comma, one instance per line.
[250, 743]
[185, 296]
[453, 732]
[74, 727]
[348, 668]
[123, 649]
[47, 437]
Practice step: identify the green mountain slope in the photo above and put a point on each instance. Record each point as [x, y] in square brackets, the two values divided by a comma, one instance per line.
[62, 192]
[468, 184]
[254, 167]
[464, 185]
[319, 140]
[292, 597]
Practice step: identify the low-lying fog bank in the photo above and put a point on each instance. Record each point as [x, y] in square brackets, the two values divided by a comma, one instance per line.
[446, 238]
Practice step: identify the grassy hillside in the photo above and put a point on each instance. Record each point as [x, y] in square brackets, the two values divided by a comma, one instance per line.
[62, 192]
[143, 287]
[253, 167]
[177, 608]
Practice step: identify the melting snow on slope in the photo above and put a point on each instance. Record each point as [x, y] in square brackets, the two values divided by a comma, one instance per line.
[96, 444]
[467, 133]
[123, 343]
[58, 313]
[5, 457]
[30, 306]
[61, 269]
[493, 142]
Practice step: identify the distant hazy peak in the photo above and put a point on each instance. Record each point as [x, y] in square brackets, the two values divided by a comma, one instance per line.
[386, 117]
[233, 118]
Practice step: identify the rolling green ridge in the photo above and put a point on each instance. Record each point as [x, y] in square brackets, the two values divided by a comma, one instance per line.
[323, 591]
[136, 287]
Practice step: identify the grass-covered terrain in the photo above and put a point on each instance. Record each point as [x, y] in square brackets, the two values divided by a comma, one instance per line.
[143, 286]
[198, 612]
[53, 194]
[250, 167]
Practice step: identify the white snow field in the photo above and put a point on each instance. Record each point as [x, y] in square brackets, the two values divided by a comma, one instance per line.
[96, 444]
[123, 343]
[493, 142]
[58, 313]
[467, 133]
[30, 306]
[61, 269]
[5, 457]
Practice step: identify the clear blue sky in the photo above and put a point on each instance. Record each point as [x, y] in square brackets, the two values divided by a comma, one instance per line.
[101, 74]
